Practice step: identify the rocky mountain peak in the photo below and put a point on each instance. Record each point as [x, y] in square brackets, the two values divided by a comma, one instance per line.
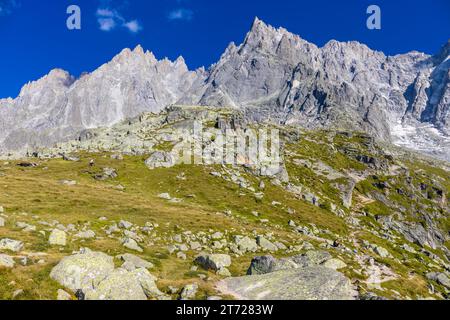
[444, 54]
[273, 75]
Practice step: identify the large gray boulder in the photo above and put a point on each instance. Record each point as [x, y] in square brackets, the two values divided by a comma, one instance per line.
[262, 265]
[118, 285]
[83, 271]
[310, 283]
[92, 276]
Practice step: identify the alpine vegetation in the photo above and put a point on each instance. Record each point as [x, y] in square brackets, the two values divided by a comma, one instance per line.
[284, 171]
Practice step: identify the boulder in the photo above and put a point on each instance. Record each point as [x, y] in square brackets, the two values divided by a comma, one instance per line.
[440, 278]
[2, 222]
[135, 261]
[125, 224]
[245, 244]
[147, 283]
[311, 258]
[131, 244]
[108, 173]
[57, 237]
[118, 285]
[165, 196]
[11, 245]
[160, 159]
[6, 261]
[189, 291]
[262, 265]
[266, 244]
[213, 261]
[82, 271]
[89, 234]
[382, 252]
[310, 283]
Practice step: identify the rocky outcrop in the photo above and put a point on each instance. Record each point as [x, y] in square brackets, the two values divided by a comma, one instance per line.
[92, 276]
[311, 283]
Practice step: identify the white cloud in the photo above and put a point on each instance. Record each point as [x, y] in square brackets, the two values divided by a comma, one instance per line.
[108, 19]
[105, 13]
[106, 24]
[134, 26]
[181, 14]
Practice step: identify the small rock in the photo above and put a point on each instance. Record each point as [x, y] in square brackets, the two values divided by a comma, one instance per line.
[245, 244]
[11, 245]
[6, 261]
[181, 255]
[125, 224]
[266, 244]
[89, 234]
[131, 244]
[217, 235]
[57, 238]
[213, 261]
[382, 252]
[195, 245]
[189, 291]
[164, 196]
[63, 295]
[136, 261]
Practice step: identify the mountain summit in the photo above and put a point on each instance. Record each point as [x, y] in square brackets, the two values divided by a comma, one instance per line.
[273, 75]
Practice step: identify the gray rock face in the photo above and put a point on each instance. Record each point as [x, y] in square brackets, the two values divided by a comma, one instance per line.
[82, 271]
[93, 274]
[272, 75]
[118, 285]
[276, 74]
[311, 283]
[59, 107]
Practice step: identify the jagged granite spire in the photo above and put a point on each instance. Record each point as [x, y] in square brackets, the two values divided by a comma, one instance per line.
[273, 74]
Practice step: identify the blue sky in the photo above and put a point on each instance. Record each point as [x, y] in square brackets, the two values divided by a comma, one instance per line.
[34, 37]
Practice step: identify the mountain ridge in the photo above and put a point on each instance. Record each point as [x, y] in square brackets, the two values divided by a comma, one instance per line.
[273, 74]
